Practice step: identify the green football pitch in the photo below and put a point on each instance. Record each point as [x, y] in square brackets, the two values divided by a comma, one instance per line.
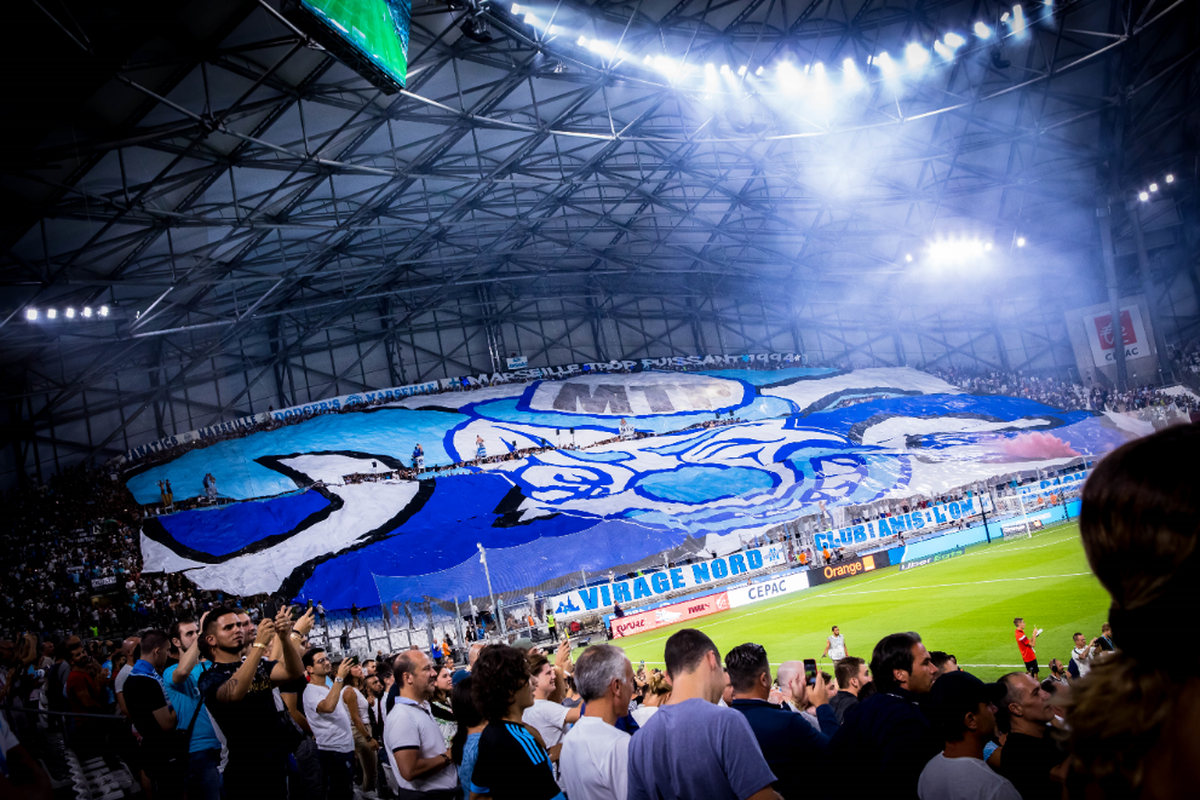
[370, 26]
[964, 605]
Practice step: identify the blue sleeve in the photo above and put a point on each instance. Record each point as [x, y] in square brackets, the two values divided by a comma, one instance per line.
[828, 719]
[741, 758]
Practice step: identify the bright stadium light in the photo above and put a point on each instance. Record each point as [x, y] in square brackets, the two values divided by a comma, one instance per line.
[943, 51]
[885, 64]
[742, 70]
[852, 79]
[1154, 187]
[31, 313]
[87, 311]
[988, 247]
[581, 41]
[516, 8]
[1143, 196]
[760, 71]
[1018, 20]
[956, 251]
[104, 311]
[725, 70]
[1020, 241]
[790, 79]
[51, 313]
[908, 257]
[1170, 179]
[983, 31]
[954, 41]
[916, 55]
[70, 313]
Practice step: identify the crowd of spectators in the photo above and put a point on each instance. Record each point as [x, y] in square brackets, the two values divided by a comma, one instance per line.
[216, 704]
[1067, 395]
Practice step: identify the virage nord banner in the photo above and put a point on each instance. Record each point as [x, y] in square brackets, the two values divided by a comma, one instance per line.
[647, 587]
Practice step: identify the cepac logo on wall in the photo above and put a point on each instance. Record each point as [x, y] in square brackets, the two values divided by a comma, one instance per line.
[848, 569]
[1102, 335]
[669, 615]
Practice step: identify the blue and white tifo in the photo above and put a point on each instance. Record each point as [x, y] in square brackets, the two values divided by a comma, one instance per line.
[800, 439]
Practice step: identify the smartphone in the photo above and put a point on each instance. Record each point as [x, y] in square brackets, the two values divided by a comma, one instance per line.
[271, 609]
[353, 661]
[810, 671]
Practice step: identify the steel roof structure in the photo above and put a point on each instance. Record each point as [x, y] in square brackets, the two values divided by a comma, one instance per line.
[265, 227]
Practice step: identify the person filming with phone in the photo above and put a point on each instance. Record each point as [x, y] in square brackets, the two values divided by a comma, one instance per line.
[329, 719]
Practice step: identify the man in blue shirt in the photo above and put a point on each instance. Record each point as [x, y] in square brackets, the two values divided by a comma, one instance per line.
[692, 747]
[788, 743]
[181, 682]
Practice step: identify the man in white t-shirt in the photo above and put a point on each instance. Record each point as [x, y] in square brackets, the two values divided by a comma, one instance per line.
[962, 709]
[329, 719]
[549, 717]
[417, 754]
[1083, 653]
[130, 648]
[835, 646]
[594, 763]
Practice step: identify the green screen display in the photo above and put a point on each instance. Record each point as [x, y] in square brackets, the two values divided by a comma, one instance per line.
[377, 29]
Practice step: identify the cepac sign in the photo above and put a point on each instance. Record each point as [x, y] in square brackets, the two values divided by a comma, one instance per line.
[1102, 335]
[767, 590]
[847, 569]
[633, 624]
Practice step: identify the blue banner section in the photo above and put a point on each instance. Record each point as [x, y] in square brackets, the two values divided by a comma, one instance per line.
[923, 520]
[227, 529]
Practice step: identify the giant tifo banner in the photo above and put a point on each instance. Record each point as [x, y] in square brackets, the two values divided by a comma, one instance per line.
[592, 599]
[562, 492]
[922, 520]
[519, 372]
[1102, 335]
[663, 616]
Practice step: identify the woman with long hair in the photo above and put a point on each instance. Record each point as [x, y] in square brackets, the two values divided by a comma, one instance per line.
[365, 746]
[441, 706]
[657, 691]
[1133, 717]
[464, 747]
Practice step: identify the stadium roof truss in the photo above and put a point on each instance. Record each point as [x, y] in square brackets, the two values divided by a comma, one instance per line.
[265, 227]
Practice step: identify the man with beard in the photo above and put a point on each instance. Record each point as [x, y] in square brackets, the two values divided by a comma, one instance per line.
[240, 696]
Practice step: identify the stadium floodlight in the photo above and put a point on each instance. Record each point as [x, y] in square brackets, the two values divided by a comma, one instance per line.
[516, 8]
[51, 313]
[87, 311]
[885, 64]
[742, 70]
[852, 79]
[1143, 196]
[954, 41]
[943, 51]
[725, 70]
[916, 55]
[1020, 241]
[759, 71]
[1154, 187]
[1018, 20]
[104, 311]
[983, 31]
[70, 313]
[31, 313]
[1170, 179]
[908, 257]
[955, 251]
[581, 41]
[987, 246]
[530, 19]
[790, 78]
